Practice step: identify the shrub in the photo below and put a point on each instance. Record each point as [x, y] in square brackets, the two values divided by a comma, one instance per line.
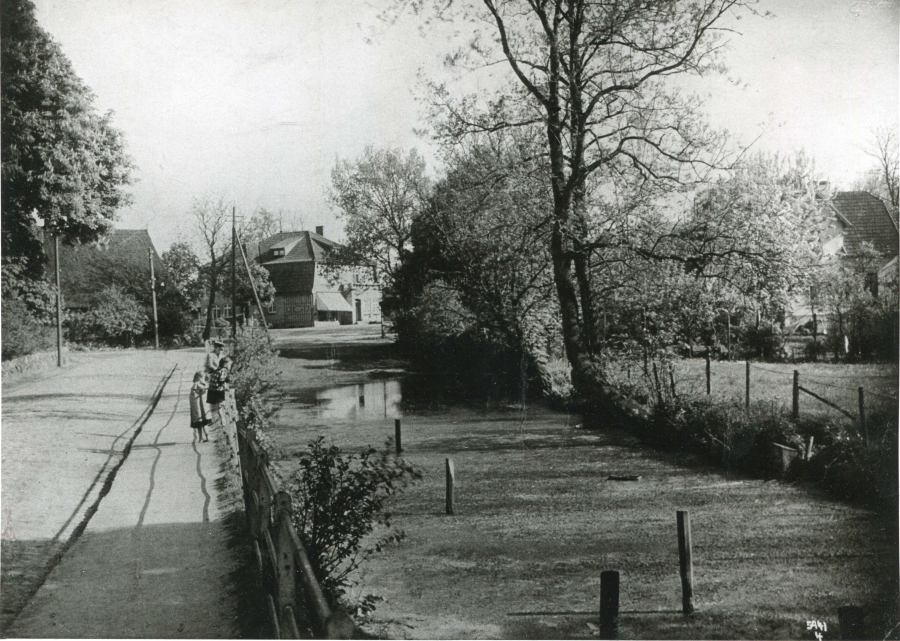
[116, 318]
[337, 501]
[22, 333]
[765, 342]
[36, 294]
[255, 365]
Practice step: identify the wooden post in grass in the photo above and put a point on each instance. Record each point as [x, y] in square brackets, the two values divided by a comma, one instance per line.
[609, 604]
[451, 477]
[708, 374]
[686, 564]
[747, 386]
[862, 414]
[850, 619]
[815, 338]
[397, 435]
[795, 396]
[672, 380]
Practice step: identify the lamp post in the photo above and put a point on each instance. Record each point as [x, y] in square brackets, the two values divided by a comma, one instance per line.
[59, 336]
[42, 223]
[153, 292]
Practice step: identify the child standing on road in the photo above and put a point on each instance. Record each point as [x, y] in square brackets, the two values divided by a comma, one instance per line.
[199, 421]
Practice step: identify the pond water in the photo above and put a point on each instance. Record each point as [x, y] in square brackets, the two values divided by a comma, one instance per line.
[360, 402]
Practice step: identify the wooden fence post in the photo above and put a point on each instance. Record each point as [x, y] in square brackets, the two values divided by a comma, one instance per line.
[397, 435]
[609, 604]
[672, 380]
[708, 374]
[747, 385]
[850, 618]
[862, 414]
[451, 478]
[815, 329]
[284, 557]
[795, 396]
[685, 562]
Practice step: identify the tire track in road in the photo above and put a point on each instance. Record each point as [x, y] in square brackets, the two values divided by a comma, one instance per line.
[104, 490]
[159, 452]
[141, 420]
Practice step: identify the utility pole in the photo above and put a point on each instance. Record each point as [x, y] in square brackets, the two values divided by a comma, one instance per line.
[233, 275]
[153, 291]
[59, 335]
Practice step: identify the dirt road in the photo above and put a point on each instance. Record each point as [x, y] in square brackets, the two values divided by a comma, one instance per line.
[109, 506]
[537, 519]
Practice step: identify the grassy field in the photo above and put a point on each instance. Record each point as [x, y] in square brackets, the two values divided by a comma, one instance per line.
[772, 382]
[538, 519]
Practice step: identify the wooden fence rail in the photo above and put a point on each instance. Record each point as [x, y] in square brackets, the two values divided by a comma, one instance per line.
[292, 591]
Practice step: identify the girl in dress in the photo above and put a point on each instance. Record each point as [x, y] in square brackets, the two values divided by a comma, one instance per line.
[199, 420]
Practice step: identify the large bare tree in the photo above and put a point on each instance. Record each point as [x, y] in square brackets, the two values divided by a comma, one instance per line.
[624, 149]
[211, 218]
[883, 180]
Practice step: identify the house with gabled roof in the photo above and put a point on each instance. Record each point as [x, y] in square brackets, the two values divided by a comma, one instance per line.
[121, 257]
[311, 287]
[858, 217]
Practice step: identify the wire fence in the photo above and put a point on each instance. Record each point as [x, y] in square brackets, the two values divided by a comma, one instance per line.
[824, 388]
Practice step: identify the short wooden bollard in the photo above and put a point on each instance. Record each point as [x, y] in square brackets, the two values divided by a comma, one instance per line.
[747, 376]
[708, 374]
[609, 604]
[397, 435]
[451, 477]
[686, 563]
[795, 396]
[850, 618]
[862, 413]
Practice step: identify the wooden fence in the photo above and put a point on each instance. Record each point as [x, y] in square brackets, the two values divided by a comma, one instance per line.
[297, 607]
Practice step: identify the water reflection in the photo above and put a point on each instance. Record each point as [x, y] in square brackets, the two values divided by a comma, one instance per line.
[376, 400]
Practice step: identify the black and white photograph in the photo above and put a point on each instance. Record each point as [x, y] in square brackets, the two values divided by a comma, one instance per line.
[450, 319]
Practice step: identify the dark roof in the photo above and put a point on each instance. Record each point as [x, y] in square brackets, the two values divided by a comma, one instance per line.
[869, 221]
[118, 258]
[299, 246]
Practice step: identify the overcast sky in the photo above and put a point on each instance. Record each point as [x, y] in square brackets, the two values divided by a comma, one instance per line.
[255, 99]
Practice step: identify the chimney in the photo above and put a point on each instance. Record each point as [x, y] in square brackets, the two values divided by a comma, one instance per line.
[320, 230]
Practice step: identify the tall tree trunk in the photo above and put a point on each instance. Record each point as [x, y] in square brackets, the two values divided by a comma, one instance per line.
[213, 282]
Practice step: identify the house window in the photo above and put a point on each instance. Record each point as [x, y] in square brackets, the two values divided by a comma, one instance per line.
[278, 251]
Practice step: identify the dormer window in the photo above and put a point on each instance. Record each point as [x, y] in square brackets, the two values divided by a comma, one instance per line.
[278, 252]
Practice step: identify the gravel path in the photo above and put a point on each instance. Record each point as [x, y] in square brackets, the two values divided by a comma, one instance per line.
[100, 473]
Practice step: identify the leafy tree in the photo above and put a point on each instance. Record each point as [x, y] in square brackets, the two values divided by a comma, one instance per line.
[860, 307]
[625, 153]
[62, 161]
[618, 141]
[115, 317]
[183, 269]
[378, 196]
[37, 295]
[483, 237]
